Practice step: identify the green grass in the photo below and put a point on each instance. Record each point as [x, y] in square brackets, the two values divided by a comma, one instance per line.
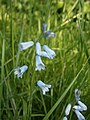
[21, 99]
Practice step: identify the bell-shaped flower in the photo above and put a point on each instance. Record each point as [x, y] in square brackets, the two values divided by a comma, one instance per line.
[82, 105]
[77, 95]
[44, 87]
[49, 34]
[79, 115]
[49, 52]
[25, 45]
[20, 70]
[39, 52]
[65, 118]
[39, 64]
[44, 27]
[38, 48]
[67, 110]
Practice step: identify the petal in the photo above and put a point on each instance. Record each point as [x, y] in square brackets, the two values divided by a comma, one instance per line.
[79, 115]
[25, 45]
[67, 110]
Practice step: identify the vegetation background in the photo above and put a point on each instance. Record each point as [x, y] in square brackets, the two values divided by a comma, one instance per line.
[21, 20]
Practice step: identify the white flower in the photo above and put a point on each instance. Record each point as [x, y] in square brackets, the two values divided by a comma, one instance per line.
[25, 45]
[82, 105]
[79, 115]
[49, 34]
[65, 118]
[39, 52]
[50, 52]
[20, 70]
[39, 64]
[43, 86]
[77, 94]
[77, 107]
[67, 110]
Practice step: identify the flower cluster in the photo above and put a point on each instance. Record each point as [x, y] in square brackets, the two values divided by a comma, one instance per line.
[46, 52]
[78, 108]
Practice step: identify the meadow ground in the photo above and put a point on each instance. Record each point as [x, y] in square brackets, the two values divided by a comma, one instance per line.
[21, 21]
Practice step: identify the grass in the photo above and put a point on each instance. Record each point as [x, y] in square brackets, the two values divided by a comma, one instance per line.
[21, 99]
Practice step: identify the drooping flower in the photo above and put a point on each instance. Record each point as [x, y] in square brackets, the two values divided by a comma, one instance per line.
[38, 48]
[44, 27]
[39, 52]
[50, 52]
[49, 34]
[77, 107]
[25, 45]
[20, 70]
[44, 87]
[82, 105]
[79, 115]
[77, 95]
[39, 64]
[67, 110]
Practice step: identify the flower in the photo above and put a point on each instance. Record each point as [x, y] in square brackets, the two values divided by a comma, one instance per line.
[39, 52]
[49, 34]
[38, 48]
[67, 110]
[25, 45]
[65, 118]
[49, 52]
[44, 27]
[39, 64]
[43, 86]
[82, 105]
[79, 115]
[20, 70]
[77, 94]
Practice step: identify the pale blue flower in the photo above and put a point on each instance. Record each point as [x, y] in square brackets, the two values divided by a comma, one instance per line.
[82, 105]
[49, 34]
[44, 27]
[44, 87]
[79, 115]
[49, 52]
[39, 64]
[25, 45]
[67, 110]
[39, 52]
[20, 70]
[38, 48]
